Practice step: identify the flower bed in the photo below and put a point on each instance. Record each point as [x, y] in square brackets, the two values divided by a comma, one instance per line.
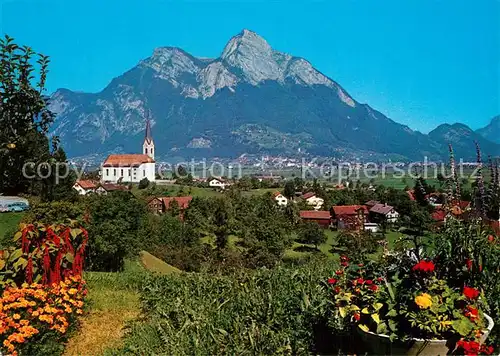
[410, 303]
[34, 316]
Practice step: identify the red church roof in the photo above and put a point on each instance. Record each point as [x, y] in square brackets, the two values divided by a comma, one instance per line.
[127, 160]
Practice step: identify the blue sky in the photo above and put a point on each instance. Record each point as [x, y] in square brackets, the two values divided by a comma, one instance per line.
[420, 62]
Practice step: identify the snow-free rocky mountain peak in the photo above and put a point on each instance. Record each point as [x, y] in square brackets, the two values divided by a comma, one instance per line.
[252, 99]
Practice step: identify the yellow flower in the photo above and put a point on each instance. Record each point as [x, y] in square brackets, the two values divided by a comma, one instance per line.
[424, 301]
[16, 316]
[73, 291]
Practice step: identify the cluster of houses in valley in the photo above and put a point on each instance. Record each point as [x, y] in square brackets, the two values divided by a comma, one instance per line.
[367, 217]
[84, 187]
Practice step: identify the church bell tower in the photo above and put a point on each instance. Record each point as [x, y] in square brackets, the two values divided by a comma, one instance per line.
[148, 147]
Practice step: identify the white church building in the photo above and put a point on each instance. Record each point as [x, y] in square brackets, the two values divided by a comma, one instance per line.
[131, 167]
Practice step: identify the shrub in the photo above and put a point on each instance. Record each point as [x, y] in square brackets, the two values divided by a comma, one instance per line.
[144, 183]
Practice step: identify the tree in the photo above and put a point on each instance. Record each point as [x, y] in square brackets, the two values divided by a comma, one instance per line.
[24, 120]
[311, 233]
[421, 190]
[144, 183]
[244, 183]
[115, 222]
[289, 190]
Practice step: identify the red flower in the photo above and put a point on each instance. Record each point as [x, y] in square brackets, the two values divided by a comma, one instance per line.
[344, 258]
[470, 293]
[339, 272]
[337, 289]
[368, 282]
[357, 316]
[491, 238]
[373, 287]
[424, 266]
[487, 350]
[472, 313]
[360, 280]
[332, 281]
[380, 279]
[468, 262]
[470, 347]
[344, 263]
[360, 265]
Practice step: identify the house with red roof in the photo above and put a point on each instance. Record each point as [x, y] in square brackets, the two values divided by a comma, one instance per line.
[350, 217]
[319, 217]
[84, 187]
[280, 199]
[160, 205]
[118, 168]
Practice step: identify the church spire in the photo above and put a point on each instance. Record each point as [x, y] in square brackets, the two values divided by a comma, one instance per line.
[148, 147]
[149, 137]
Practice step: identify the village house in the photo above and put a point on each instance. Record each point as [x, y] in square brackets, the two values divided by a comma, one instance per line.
[105, 188]
[84, 187]
[350, 217]
[458, 209]
[121, 168]
[218, 182]
[160, 205]
[270, 178]
[313, 200]
[280, 199]
[383, 212]
[319, 217]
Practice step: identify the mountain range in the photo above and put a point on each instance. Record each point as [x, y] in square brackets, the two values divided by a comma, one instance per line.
[252, 99]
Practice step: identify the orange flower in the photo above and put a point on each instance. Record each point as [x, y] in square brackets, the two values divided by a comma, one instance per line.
[16, 316]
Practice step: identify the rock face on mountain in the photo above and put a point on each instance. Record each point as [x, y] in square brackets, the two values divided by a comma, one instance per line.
[252, 99]
[492, 131]
[463, 139]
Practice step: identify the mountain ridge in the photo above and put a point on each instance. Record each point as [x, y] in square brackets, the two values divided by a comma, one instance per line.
[251, 99]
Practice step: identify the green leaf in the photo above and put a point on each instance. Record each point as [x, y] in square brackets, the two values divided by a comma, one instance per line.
[377, 306]
[365, 311]
[381, 328]
[75, 232]
[363, 327]
[463, 327]
[16, 254]
[376, 318]
[20, 263]
[342, 312]
[392, 325]
[392, 313]
[2, 264]
[18, 235]
[69, 257]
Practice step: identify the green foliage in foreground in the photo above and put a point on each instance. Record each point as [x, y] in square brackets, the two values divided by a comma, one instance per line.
[250, 312]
